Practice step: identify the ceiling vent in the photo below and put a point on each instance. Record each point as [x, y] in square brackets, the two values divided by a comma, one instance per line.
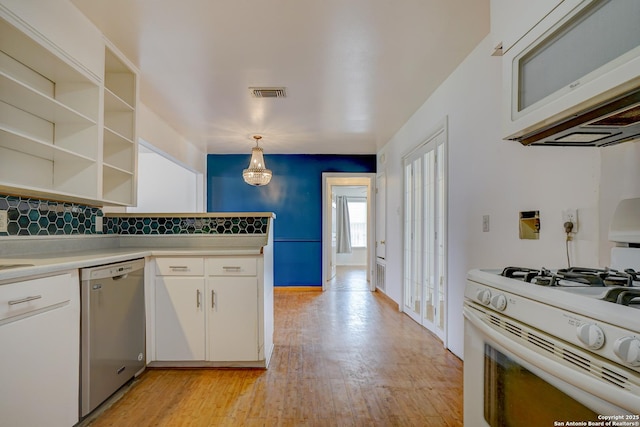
[268, 92]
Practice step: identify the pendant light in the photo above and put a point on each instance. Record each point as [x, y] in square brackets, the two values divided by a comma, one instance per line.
[257, 173]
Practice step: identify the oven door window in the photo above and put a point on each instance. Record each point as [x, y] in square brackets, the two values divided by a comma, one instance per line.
[514, 397]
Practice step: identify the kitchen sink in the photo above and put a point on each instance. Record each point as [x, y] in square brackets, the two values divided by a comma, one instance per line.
[8, 266]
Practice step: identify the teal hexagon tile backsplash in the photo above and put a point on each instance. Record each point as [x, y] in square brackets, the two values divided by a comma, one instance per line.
[33, 217]
[182, 225]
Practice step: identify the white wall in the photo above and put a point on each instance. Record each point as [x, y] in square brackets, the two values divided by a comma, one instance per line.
[489, 176]
[358, 256]
[157, 132]
[620, 179]
[164, 186]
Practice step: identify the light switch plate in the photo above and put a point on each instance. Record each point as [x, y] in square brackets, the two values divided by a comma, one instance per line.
[4, 221]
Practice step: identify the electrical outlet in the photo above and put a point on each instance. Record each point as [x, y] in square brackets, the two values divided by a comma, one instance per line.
[98, 227]
[4, 221]
[571, 215]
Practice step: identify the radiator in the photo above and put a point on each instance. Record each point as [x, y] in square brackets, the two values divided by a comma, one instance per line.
[380, 275]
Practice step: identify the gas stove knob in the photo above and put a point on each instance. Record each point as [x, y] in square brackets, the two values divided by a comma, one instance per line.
[499, 302]
[484, 296]
[591, 335]
[628, 349]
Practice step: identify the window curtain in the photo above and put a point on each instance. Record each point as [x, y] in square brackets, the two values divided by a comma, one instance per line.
[343, 228]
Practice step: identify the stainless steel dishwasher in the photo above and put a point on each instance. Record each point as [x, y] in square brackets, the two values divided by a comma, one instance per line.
[112, 330]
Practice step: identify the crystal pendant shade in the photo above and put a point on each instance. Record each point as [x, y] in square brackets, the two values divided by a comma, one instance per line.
[257, 173]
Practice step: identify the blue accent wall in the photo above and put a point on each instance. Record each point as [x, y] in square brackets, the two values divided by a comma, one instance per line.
[294, 195]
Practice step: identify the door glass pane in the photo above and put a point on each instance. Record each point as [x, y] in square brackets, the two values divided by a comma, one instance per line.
[408, 201]
[418, 191]
[429, 237]
[440, 223]
[358, 223]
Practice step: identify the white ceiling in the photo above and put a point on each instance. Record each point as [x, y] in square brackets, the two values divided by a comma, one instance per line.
[354, 70]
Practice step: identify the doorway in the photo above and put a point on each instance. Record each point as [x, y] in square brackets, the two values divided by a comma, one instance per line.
[348, 230]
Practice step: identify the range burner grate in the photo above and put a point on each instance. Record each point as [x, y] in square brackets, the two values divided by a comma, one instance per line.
[595, 276]
[574, 276]
[621, 283]
[624, 296]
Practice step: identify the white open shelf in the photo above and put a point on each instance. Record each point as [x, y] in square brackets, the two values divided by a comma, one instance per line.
[49, 122]
[118, 152]
[113, 102]
[119, 149]
[37, 148]
[117, 185]
[60, 172]
[56, 139]
[39, 104]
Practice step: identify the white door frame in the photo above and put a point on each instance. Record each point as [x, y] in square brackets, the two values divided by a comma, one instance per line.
[329, 179]
[441, 129]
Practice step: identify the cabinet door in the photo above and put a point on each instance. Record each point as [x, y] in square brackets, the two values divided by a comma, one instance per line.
[180, 324]
[39, 355]
[233, 318]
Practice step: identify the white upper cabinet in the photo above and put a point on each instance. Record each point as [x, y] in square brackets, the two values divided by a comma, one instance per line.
[512, 19]
[67, 107]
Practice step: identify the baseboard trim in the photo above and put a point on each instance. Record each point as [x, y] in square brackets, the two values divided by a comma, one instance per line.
[189, 364]
[387, 298]
[297, 288]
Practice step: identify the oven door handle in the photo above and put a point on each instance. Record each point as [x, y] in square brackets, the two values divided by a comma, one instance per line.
[625, 399]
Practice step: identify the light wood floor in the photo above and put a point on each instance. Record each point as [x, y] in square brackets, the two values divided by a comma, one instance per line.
[350, 278]
[342, 358]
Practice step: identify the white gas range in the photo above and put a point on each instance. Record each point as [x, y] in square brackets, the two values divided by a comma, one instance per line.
[545, 347]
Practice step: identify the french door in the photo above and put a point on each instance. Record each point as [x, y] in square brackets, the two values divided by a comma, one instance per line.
[424, 234]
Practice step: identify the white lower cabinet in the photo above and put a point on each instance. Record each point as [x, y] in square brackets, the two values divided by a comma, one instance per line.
[210, 310]
[180, 318]
[233, 319]
[39, 351]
